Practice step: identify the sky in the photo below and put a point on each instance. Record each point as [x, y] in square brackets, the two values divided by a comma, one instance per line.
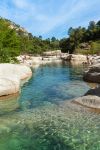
[50, 18]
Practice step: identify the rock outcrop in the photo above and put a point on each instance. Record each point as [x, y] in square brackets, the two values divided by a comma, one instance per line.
[74, 58]
[92, 98]
[93, 74]
[11, 76]
[8, 86]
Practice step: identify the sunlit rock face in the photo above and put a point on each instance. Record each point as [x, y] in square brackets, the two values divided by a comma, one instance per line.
[8, 86]
[11, 76]
[17, 70]
[93, 74]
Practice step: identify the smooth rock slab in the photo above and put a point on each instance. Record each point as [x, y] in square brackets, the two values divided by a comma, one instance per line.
[11, 76]
[89, 101]
[20, 71]
[8, 86]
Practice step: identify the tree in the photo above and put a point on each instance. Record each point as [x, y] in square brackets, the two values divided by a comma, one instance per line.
[40, 37]
[53, 39]
[92, 25]
[70, 31]
[98, 24]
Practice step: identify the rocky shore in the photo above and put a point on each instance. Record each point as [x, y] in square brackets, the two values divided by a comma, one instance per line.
[92, 97]
[11, 75]
[49, 57]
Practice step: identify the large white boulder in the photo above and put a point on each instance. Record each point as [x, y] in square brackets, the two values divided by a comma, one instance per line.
[20, 71]
[11, 76]
[8, 86]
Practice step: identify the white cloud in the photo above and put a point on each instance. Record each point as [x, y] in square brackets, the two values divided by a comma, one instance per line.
[64, 14]
[21, 3]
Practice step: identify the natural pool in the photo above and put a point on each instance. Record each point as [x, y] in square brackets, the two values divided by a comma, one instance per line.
[46, 119]
[53, 83]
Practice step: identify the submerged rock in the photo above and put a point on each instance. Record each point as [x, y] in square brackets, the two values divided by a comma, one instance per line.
[9, 103]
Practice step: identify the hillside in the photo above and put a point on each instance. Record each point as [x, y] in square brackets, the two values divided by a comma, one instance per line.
[15, 40]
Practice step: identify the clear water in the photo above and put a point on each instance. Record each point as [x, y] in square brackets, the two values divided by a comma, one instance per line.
[53, 83]
[40, 123]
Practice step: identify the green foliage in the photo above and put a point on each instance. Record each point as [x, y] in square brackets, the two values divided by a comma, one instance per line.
[15, 41]
[82, 35]
[9, 42]
[95, 49]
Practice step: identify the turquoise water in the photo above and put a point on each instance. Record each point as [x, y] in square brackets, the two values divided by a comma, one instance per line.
[43, 116]
[53, 83]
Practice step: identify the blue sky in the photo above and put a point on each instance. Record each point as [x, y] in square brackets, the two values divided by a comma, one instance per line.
[50, 17]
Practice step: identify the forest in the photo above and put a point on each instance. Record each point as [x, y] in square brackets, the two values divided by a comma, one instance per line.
[15, 40]
[82, 40]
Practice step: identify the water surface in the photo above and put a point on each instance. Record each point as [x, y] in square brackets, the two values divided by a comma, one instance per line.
[39, 123]
[53, 83]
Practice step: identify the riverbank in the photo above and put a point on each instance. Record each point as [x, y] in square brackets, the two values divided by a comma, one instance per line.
[49, 57]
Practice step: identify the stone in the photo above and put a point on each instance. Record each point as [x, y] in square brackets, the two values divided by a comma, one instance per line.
[92, 74]
[11, 76]
[8, 86]
[16, 70]
[95, 92]
[78, 58]
[89, 101]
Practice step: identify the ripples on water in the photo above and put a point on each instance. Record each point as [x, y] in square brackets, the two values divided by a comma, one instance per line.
[41, 124]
